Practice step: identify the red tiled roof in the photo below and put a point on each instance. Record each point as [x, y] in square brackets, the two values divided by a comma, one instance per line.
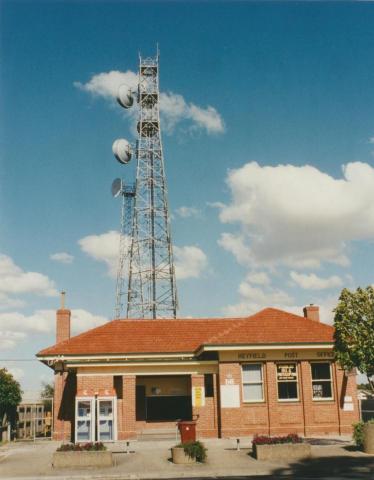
[269, 326]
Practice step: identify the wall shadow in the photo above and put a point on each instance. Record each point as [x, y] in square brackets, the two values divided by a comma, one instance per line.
[360, 467]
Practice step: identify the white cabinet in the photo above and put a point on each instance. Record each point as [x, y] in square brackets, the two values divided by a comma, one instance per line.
[95, 419]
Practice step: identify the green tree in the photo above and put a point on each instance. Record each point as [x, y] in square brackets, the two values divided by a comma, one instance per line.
[354, 331]
[46, 395]
[10, 396]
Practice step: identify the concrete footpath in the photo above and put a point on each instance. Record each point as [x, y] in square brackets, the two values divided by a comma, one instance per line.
[333, 458]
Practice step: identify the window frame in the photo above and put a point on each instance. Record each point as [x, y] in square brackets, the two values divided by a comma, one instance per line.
[282, 400]
[261, 364]
[331, 380]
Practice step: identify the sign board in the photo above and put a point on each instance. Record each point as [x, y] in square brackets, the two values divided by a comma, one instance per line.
[317, 390]
[348, 407]
[198, 396]
[286, 372]
[230, 396]
[258, 355]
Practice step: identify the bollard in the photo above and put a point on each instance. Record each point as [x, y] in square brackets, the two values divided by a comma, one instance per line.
[238, 444]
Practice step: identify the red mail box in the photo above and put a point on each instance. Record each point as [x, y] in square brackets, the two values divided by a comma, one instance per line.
[187, 430]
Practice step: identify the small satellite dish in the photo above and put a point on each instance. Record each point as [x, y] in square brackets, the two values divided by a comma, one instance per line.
[124, 96]
[122, 150]
[116, 187]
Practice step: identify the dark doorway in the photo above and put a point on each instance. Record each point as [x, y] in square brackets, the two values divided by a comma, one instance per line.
[141, 407]
[163, 398]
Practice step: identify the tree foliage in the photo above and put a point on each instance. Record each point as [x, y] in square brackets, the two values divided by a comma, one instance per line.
[46, 395]
[354, 331]
[10, 395]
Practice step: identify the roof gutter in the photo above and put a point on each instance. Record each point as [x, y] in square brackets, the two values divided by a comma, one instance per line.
[264, 346]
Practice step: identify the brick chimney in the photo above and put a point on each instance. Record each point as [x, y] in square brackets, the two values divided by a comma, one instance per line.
[311, 312]
[62, 321]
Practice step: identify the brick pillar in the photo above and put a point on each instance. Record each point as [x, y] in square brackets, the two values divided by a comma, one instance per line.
[128, 427]
[207, 415]
[64, 406]
[346, 393]
[231, 419]
[272, 397]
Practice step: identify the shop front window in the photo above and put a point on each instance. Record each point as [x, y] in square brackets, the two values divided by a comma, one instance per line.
[253, 390]
[321, 381]
[287, 382]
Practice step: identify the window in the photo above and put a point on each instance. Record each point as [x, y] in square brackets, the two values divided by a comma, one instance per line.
[321, 381]
[208, 385]
[287, 381]
[252, 382]
[118, 385]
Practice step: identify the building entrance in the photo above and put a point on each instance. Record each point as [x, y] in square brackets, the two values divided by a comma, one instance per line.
[163, 398]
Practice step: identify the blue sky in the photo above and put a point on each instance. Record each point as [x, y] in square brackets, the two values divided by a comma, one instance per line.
[268, 135]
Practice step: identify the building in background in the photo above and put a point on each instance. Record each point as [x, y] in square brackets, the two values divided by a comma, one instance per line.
[31, 417]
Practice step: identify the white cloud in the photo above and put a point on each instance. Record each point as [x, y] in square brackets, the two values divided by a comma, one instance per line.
[207, 118]
[15, 326]
[263, 297]
[314, 282]
[9, 339]
[82, 320]
[297, 216]
[258, 278]
[173, 107]
[7, 302]
[103, 248]
[190, 262]
[106, 84]
[236, 245]
[255, 299]
[15, 281]
[186, 212]
[62, 257]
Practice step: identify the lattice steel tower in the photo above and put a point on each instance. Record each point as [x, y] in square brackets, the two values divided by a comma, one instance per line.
[150, 275]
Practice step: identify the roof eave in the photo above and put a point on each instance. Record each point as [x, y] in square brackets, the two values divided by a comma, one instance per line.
[262, 346]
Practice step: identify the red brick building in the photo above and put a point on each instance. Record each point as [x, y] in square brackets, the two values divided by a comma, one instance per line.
[271, 373]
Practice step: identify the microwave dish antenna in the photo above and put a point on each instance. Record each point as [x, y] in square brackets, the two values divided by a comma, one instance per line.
[116, 187]
[125, 97]
[122, 150]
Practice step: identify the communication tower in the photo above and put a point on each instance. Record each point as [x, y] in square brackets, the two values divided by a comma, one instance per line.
[146, 256]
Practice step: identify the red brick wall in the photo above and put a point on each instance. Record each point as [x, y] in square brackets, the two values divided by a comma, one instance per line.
[305, 416]
[250, 418]
[207, 425]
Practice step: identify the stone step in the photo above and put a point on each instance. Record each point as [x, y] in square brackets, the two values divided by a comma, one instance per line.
[157, 434]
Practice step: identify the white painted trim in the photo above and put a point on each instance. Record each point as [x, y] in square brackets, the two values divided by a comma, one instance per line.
[247, 383]
[143, 364]
[284, 362]
[323, 399]
[285, 346]
[142, 374]
[114, 356]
